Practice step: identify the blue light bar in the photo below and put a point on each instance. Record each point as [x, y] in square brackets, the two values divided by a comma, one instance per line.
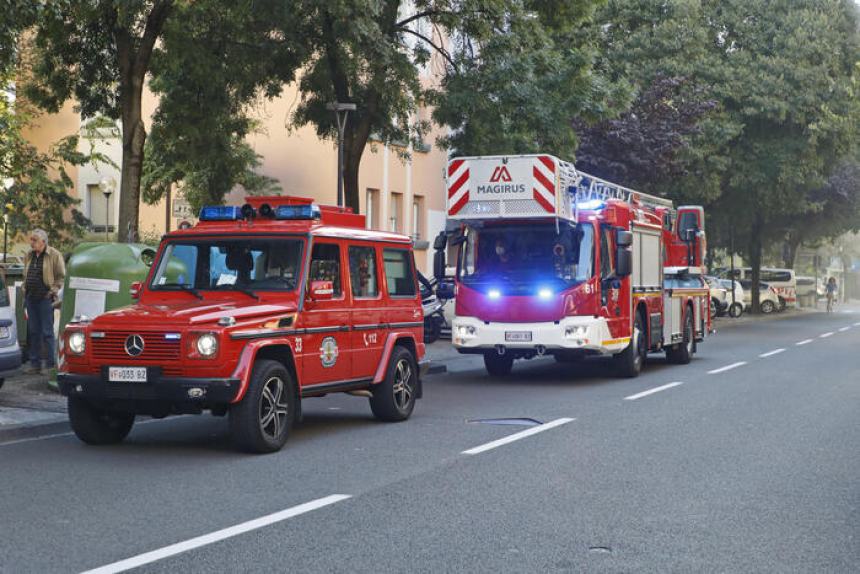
[220, 213]
[591, 204]
[306, 211]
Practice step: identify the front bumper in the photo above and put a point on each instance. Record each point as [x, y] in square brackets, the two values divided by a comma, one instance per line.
[10, 361]
[586, 334]
[184, 390]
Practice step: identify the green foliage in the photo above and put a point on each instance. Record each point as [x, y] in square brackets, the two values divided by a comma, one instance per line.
[215, 61]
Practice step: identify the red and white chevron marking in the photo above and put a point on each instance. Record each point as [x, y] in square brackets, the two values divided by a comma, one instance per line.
[544, 172]
[458, 186]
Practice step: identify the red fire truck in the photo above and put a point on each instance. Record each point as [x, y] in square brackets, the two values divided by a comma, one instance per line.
[551, 260]
[247, 313]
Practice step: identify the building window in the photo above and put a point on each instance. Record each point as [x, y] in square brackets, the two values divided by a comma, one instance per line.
[101, 209]
[417, 218]
[395, 214]
[371, 208]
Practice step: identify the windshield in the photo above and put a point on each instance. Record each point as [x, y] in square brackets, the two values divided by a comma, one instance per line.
[271, 264]
[528, 255]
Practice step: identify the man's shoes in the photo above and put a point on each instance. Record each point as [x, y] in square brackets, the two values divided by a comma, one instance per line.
[32, 370]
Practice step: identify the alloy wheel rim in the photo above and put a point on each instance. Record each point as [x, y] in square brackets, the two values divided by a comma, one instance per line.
[402, 384]
[273, 408]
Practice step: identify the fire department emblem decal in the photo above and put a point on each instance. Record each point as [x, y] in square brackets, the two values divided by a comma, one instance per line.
[328, 352]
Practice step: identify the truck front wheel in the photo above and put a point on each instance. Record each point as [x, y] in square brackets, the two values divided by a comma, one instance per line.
[96, 426]
[498, 365]
[629, 361]
[261, 422]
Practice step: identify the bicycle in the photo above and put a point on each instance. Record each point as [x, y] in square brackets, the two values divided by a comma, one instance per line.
[831, 299]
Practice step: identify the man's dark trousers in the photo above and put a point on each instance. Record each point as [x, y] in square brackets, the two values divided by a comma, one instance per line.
[40, 330]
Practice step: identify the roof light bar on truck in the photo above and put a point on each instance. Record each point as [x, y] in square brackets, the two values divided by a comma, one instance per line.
[306, 211]
[220, 213]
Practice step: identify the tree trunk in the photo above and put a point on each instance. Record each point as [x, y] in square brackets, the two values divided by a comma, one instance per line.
[133, 138]
[755, 261]
[790, 253]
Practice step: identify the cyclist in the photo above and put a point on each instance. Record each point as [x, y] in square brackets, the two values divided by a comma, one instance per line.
[830, 290]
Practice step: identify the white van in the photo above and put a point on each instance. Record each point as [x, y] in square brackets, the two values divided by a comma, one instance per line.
[783, 281]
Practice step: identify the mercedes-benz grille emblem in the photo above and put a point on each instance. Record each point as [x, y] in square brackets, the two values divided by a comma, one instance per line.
[134, 345]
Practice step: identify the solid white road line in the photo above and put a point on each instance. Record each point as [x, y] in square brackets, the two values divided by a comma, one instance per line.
[803, 342]
[727, 368]
[651, 391]
[217, 536]
[771, 353]
[843, 329]
[517, 436]
[825, 335]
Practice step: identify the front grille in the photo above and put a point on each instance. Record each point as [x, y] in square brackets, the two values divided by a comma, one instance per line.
[156, 349]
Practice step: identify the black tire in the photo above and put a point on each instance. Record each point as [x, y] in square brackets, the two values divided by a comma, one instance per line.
[432, 330]
[782, 304]
[262, 421]
[498, 365]
[714, 308]
[682, 353]
[629, 362]
[736, 310]
[768, 307]
[97, 426]
[1, 382]
[393, 399]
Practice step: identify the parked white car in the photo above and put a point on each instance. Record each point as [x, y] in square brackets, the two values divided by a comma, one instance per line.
[768, 297]
[783, 282]
[719, 300]
[10, 351]
[735, 305]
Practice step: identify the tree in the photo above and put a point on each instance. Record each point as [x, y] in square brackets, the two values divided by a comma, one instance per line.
[215, 60]
[513, 73]
[99, 53]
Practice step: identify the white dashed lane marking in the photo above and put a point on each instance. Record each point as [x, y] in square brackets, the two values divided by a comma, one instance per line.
[517, 436]
[651, 391]
[803, 342]
[843, 329]
[825, 335]
[772, 353]
[727, 368]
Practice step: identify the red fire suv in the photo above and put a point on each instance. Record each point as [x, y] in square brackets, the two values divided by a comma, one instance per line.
[247, 313]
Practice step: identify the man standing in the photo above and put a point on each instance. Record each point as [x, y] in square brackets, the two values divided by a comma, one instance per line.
[44, 271]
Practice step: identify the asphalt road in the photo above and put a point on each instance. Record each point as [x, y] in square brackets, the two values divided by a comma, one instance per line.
[749, 464]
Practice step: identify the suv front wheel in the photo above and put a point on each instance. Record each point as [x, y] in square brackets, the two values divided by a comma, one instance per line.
[261, 422]
[97, 426]
[394, 398]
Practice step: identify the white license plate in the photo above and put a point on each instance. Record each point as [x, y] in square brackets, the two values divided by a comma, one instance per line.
[127, 374]
[518, 336]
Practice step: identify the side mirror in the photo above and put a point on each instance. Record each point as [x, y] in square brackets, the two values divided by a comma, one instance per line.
[135, 290]
[445, 290]
[321, 290]
[439, 264]
[623, 262]
[623, 238]
[441, 241]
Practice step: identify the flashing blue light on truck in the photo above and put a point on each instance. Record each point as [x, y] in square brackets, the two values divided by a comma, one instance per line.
[545, 293]
[306, 211]
[590, 205]
[220, 213]
[494, 293]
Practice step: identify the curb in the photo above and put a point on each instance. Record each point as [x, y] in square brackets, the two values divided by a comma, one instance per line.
[26, 431]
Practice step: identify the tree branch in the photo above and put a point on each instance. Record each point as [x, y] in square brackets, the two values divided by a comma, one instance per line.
[154, 26]
[444, 53]
[420, 15]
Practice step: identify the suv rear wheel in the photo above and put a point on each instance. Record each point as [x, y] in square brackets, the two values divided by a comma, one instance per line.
[394, 398]
[97, 426]
[261, 423]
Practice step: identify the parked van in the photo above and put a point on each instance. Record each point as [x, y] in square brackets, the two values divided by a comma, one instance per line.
[783, 282]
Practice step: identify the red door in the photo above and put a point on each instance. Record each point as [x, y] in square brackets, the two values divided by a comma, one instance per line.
[326, 346]
[369, 308]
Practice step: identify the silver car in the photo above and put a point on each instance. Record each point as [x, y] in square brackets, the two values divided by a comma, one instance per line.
[10, 351]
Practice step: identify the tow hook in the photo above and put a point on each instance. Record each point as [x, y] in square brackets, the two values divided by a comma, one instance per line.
[541, 350]
[500, 349]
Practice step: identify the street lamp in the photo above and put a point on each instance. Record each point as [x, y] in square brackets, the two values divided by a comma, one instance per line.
[107, 185]
[341, 112]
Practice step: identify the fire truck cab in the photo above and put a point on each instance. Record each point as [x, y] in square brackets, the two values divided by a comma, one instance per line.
[247, 313]
[550, 260]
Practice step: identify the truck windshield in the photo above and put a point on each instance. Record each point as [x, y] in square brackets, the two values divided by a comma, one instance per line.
[226, 264]
[522, 256]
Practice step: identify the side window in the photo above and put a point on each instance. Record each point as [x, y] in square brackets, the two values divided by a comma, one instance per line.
[362, 272]
[606, 266]
[325, 266]
[399, 273]
[687, 220]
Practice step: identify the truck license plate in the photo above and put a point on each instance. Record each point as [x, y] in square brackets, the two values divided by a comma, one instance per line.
[518, 336]
[127, 374]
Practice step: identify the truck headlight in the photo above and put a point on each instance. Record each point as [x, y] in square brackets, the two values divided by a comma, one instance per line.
[207, 345]
[77, 342]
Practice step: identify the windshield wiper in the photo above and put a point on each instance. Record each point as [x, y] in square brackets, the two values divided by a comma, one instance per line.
[184, 287]
[246, 291]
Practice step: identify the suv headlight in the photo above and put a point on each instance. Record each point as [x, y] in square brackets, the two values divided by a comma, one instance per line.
[465, 331]
[207, 345]
[77, 342]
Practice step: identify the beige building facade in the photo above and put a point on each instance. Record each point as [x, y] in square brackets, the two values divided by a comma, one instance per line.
[403, 195]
